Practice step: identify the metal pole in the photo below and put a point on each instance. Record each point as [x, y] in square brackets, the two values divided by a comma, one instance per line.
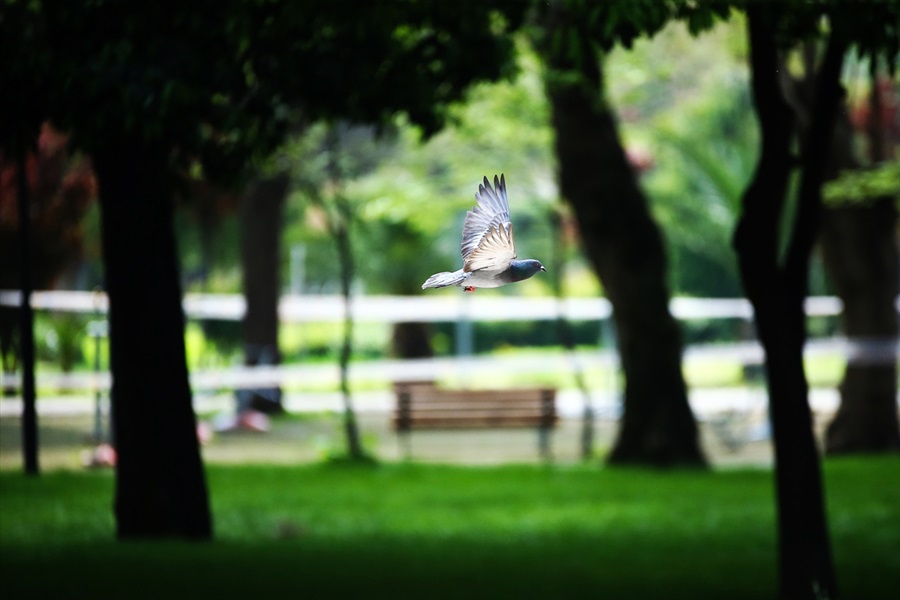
[298, 268]
[465, 339]
[298, 277]
[98, 412]
[97, 329]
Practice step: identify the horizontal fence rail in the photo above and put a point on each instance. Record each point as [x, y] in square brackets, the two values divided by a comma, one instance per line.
[395, 309]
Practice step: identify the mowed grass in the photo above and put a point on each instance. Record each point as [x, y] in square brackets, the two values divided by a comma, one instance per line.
[422, 531]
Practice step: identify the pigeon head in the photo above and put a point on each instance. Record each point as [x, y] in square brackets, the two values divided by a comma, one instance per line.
[523, 269]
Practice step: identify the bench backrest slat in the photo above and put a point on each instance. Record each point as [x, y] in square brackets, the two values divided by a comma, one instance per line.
[423, 405]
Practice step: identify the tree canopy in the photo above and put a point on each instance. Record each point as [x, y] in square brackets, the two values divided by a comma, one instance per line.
[221, 82]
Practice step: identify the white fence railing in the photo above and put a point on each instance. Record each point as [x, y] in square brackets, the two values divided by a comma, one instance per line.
[392, 309]
[442, 308]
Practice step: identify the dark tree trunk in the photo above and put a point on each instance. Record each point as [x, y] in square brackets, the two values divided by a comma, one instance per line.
[341, 232]
[626, 250]
[777, 288]
[26, 326]
[261, 214]
[860, 252]
[412, 339]
[160, 483]
[859, 249]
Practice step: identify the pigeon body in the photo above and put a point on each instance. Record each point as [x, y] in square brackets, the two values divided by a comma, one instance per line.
[488, 249]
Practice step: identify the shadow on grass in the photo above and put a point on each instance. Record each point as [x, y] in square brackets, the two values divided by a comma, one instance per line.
[418, 531]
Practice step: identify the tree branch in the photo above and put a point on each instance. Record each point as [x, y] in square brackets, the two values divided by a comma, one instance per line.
[816, 152]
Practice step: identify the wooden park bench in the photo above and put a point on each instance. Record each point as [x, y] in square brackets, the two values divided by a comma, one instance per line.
[422, 405]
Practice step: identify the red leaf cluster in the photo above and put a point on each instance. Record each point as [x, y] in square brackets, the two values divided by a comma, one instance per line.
[61, 189]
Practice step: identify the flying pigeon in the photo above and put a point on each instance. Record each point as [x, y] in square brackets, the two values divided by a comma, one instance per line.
[488, 250]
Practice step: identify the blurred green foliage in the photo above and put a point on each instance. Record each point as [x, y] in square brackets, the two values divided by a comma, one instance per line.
[693, 117]
[864, 185]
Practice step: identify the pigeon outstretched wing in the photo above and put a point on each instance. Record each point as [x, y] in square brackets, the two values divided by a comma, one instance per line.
[487, 241]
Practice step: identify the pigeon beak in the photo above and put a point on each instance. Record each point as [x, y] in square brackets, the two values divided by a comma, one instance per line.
[542, 268]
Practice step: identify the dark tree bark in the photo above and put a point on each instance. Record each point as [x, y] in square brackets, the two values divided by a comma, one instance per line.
[859, 249]
[626, 250]
[339, 223]
[776, 286]
[860, 253]
[160, 483]
[26, 326]
[341, 232]
[412, 339]
[261, 215]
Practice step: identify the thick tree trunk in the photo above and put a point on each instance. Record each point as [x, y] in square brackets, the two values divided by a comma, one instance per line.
[777, 287]
[261, 214]
[626, 250]
[860, 251]
[412, 339]
[160, 484]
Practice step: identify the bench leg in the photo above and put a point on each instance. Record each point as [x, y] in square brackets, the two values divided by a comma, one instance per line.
[404, 437]
[544, 443]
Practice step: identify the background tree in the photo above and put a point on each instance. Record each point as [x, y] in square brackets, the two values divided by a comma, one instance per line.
[619, 236]
[261, 210]
[859, 249]
[326, 156]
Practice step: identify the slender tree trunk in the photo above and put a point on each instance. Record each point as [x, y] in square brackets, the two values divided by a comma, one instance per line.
[626, 250]
[160, 484]
[261, 215]
[777, 288]
[26, 326]
[341, 231]
[339, 215]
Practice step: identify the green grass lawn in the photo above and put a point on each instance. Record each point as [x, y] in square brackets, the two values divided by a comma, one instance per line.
[422, 531]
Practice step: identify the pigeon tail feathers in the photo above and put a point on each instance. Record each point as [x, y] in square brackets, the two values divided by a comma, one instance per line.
[439, 280]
